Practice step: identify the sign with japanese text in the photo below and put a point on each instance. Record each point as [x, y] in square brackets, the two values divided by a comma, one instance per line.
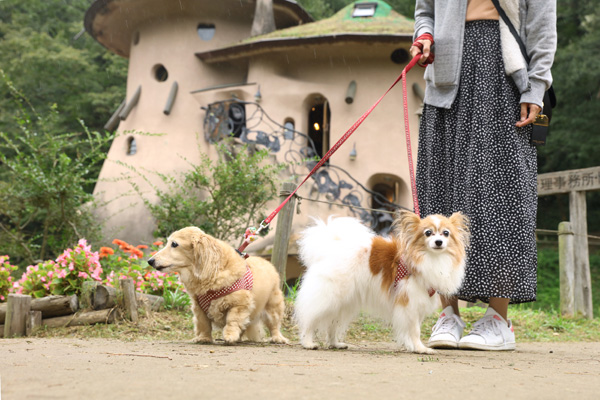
[569, 181]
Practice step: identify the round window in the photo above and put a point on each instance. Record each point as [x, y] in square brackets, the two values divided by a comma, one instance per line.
[399, 56]
[206, 31]
[160, 73]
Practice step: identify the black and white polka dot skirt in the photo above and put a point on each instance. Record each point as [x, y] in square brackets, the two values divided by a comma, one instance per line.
[472, 158]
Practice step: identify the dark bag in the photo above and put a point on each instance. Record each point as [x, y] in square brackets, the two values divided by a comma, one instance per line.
[549, 101]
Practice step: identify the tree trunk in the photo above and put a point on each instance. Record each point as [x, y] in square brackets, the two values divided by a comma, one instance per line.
[264, 18]
[82, 318]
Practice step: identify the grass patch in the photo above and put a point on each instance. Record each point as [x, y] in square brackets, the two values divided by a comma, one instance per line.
[172, 325]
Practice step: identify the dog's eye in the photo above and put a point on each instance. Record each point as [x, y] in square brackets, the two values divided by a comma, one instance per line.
[174, 244]
[428, 232]
[446, 233]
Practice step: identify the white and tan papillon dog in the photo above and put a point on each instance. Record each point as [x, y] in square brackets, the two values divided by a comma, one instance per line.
[349, 268]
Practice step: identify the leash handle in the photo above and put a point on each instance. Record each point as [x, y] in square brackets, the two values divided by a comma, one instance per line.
[346, 135]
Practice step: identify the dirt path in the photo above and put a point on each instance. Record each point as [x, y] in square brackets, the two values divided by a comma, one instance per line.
[102, 369]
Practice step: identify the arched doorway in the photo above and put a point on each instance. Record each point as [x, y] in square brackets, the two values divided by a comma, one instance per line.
[318, 123]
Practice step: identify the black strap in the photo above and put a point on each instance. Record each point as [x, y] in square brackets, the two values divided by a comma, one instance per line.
[549, 96]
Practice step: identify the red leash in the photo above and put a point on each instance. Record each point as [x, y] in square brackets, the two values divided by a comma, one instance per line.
[267, 221]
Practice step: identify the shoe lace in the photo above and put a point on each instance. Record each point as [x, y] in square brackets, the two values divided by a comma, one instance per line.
[444, 324]
[486, 325]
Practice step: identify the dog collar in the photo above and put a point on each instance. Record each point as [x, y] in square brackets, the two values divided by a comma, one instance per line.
[402, 272]
[246, 282]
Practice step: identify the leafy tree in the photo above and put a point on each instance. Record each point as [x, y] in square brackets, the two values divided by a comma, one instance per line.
[43, 200]
[48, 57]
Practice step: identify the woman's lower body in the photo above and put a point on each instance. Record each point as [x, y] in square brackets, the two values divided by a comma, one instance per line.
[472, 158]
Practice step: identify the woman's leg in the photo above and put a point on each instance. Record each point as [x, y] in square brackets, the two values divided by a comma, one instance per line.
[451, 301]
[500, 305]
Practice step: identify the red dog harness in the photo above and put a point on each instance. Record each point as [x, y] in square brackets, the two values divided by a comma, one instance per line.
[402, 272]
[246, 282]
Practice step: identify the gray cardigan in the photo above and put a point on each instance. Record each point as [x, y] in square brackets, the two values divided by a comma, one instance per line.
[445, 20]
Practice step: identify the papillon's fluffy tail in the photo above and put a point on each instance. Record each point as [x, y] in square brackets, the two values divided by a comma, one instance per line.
[337, 239]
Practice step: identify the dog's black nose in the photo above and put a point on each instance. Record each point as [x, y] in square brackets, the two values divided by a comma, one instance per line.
[438, 243]
[151, 262]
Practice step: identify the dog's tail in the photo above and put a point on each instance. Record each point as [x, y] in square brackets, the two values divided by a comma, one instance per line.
[337, 238]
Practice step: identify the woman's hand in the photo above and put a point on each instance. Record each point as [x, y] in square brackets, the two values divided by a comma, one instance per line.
[528, 113]
[414, 50]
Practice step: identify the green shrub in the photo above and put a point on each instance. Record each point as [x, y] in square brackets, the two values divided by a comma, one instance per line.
[45, 184]
[220, 197]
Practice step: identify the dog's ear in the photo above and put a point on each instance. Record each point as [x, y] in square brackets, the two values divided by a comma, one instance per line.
[207, 256]
[406, 225]
[461, 223]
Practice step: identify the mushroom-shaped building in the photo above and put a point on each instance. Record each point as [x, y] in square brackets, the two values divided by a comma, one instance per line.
[194, 71]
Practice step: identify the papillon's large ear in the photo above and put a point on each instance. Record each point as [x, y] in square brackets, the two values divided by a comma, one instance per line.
[461, 223]
[406, 225]
[207, 256]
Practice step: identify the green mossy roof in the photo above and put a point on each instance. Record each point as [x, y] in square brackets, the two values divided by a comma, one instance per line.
[385, 22]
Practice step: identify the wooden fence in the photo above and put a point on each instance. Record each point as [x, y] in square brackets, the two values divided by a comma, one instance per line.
[21, 315]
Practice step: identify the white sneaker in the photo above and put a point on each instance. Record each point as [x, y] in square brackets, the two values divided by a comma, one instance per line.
[491, 332]
[447, 331]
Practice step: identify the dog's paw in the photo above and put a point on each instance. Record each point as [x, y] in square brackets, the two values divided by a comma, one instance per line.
[279, 339]
[310, 346]
[339, 346]
[231, 336]
[202, 339]
[425, 350]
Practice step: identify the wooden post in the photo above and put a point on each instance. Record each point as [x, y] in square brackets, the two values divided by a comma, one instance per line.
[33, 322]
[129, 299]
[88, 290]
[18, 307]
[583, 282]
[283, 231]
[566, 263]
[104, 297]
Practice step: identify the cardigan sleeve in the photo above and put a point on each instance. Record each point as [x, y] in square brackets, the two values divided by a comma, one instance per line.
[541, 41]
[424, 22]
